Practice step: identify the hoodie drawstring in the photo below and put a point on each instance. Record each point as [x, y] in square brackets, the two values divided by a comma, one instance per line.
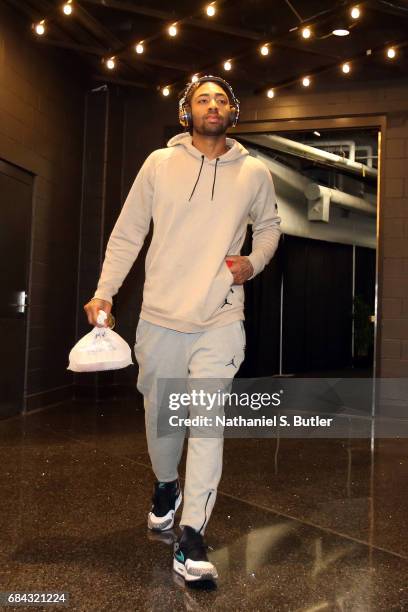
[215, 174]
[198, 178]
[201, 167]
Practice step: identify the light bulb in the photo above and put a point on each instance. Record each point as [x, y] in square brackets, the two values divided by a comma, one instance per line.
[346, 68]
[391, 53]
[110, 63]
[264, 50]
[165, 91]
[67, 8]
[210, 10]
[270, 93]
[306, 32]
[139, 48]
[227, 65]
[194, 78]
[40, 28]
[173, 30]
[355, 12]
[341, 32]
[306, 82]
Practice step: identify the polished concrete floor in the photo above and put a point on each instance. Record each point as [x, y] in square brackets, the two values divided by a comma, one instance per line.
[299, 525]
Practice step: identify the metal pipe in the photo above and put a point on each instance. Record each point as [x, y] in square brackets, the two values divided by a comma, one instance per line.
[278, 143]
[314, 191]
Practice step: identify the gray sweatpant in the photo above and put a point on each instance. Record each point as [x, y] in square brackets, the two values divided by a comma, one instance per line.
[165, 353]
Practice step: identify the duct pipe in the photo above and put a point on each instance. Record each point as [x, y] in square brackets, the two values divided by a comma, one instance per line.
[271, 141]
[350, 144]
[314, 192]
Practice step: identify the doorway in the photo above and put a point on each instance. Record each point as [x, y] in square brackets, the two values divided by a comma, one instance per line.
[16, 188]
[313, 311]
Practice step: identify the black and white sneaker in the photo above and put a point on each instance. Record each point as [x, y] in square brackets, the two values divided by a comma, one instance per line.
[166, 499]
[190, 557]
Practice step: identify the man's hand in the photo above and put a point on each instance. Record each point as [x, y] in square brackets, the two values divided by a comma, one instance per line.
[241, 268]
[92, 309]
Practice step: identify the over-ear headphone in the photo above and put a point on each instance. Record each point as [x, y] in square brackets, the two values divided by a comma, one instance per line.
[185, 116]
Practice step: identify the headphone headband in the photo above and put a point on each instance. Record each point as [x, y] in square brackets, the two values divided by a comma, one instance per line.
[185, 117]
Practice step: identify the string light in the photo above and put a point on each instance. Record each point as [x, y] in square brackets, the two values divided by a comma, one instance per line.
[172, 30]
[40, 28]
[67, 8]
[306, 32]
[355, 12]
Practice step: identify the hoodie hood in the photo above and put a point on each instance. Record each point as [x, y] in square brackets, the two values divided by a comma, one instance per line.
[236, 150]
[185, 140]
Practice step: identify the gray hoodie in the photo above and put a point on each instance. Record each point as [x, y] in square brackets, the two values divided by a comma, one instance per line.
[200, 210]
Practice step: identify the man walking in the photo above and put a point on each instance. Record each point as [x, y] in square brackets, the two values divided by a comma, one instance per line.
[199, 193]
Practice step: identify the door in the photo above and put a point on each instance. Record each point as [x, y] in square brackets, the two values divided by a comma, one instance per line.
[16, 191]
[317, 305]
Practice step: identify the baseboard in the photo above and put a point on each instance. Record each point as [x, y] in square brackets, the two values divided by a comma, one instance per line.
[105, 392]
[49, 397]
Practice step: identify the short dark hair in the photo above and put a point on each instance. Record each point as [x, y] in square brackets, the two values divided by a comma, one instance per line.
[194, 89]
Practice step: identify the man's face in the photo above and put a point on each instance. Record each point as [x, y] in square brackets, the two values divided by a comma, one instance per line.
[210, 109]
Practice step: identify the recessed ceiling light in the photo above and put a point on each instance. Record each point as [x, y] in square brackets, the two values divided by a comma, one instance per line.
[341, 32]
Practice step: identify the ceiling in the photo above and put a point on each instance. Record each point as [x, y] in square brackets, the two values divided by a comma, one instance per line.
[98, 29]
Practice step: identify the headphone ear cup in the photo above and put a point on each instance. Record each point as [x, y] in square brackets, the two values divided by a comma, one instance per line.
[187, 115]
[232, 116]
[184, 116]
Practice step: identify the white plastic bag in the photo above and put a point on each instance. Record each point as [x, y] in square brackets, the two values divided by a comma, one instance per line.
[101, 349]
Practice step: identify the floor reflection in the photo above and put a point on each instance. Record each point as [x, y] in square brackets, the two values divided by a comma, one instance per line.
[299, 525]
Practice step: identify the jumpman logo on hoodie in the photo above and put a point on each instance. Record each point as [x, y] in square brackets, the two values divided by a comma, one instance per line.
[226, 300]
[231, 362]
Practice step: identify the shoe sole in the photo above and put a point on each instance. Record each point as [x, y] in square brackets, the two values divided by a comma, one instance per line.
[180, 569]
[167, 523]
